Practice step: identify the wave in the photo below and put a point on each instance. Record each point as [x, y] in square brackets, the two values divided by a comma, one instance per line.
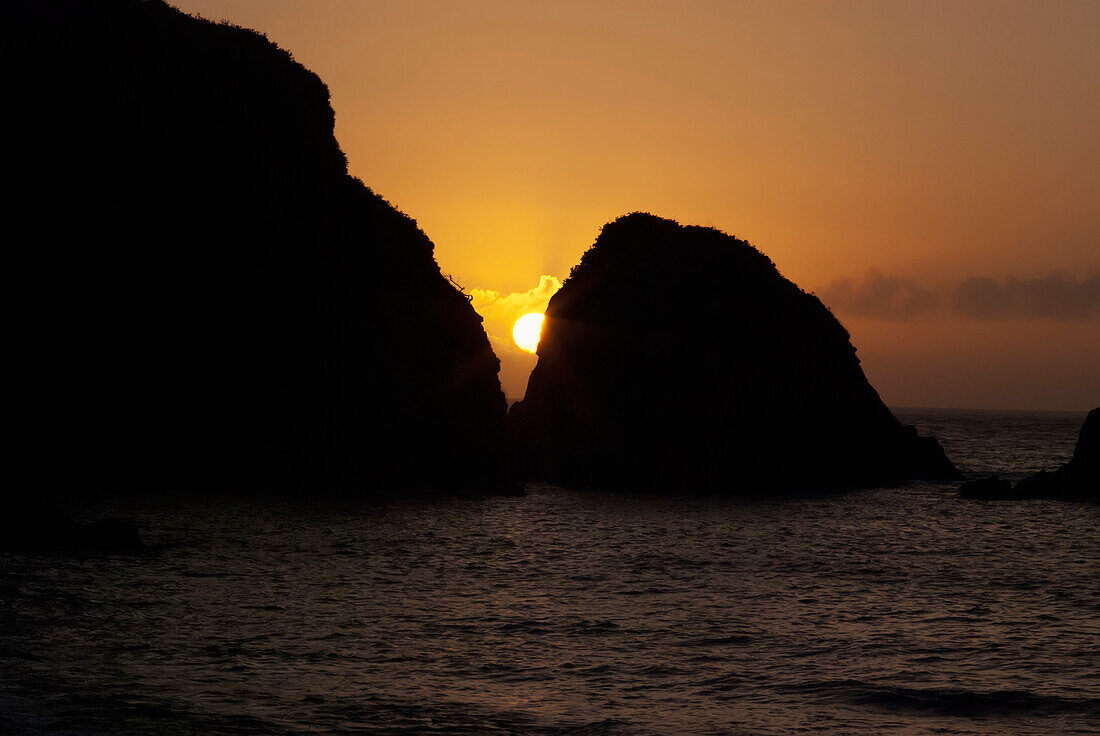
[952, 701]
[717, 641]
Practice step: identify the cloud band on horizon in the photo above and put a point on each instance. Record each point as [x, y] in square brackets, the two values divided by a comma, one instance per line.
[890, 298]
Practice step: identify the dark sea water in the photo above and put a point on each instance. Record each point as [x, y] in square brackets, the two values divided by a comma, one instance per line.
[888, 611]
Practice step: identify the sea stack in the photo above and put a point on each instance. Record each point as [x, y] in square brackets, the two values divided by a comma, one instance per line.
[209, 300]
[1077, 480]
[679, 358]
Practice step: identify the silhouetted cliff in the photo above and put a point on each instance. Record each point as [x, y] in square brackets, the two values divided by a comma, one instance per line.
[205, 296]
[679, 357]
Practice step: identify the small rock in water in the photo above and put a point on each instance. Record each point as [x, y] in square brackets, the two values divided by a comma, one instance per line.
[37, 527]
[1077, 480]
[986, 488]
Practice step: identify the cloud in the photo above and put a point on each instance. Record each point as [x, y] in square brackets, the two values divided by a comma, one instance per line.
[495, 307]
[884, 297]
[500, 312]
[1052, 297]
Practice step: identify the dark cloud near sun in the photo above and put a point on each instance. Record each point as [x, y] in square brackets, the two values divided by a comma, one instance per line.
[1051, 297]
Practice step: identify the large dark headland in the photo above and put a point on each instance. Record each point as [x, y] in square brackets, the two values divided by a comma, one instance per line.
[208, 299]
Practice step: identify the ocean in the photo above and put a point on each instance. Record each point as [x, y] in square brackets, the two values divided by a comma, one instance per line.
[887, 611]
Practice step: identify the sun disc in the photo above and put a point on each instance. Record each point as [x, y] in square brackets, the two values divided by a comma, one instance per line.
[527, 330]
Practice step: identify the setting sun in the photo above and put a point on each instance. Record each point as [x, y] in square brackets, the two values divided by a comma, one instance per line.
[527, 330]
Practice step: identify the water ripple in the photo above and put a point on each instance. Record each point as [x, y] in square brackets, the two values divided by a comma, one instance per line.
[891, 611]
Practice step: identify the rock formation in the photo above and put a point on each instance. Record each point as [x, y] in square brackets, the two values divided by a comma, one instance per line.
[31, 526]
[206, 297]
[678, 357]
[1077, 480]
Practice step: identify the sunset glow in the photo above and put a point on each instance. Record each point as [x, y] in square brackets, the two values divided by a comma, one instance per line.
[937, 147]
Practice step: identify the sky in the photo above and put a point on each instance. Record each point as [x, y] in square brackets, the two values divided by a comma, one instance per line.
[929, 169]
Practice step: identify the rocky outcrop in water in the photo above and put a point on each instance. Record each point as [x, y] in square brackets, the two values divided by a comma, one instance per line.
[31, 526]
[206, 297]
[1077, 480]
[679, 358]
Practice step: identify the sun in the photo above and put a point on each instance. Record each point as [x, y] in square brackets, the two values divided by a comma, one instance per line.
[527, 330]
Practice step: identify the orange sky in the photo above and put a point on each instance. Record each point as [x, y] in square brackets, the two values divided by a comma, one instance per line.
[932, 142]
